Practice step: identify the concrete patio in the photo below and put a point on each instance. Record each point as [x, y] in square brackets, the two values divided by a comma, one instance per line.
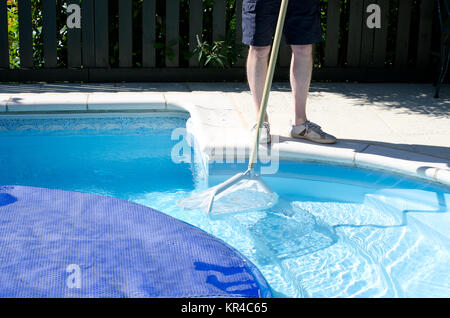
[372, 121]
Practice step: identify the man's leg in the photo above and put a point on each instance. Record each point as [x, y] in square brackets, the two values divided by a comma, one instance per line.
[300, 77]
[256, 73]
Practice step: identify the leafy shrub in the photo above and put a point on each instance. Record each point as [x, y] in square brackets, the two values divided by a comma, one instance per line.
[13, 33]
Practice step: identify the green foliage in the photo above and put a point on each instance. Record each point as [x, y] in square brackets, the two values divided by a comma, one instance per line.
[37, 34]
[221, 54]
[38, 46]
[211, 53]
[13, 34]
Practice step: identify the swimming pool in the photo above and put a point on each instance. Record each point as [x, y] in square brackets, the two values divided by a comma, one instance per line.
[337, 231]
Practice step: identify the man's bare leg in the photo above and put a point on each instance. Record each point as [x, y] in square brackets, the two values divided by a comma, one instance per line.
[300, 77]
[257, 65]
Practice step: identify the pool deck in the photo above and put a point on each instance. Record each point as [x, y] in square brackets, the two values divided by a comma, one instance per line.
[397, 127]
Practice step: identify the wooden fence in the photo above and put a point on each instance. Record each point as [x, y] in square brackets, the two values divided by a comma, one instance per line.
[402, 49]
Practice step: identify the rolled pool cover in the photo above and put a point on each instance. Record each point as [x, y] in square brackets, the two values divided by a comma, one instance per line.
[57, 243]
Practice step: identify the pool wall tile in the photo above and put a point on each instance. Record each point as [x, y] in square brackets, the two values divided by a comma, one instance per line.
[126, 101]
[48, 102]
[3, 101]
[176, 107]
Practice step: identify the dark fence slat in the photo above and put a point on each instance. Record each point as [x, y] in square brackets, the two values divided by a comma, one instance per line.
[238, 14]
[219, 10]
[4, 46]
[49, 33]
[241, 61]
[354, 33]
[148, 33]
[195, 28]
[380, 44]
[367, 38]
[332, 41]
[88, 33]
[125, 33]
[425, 28]
[172, 32]
[285, 54]
[403, 28]
[73, 43]
[25, 34]
[101, 34]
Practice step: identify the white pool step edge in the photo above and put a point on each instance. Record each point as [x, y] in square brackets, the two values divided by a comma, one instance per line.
[216, 125]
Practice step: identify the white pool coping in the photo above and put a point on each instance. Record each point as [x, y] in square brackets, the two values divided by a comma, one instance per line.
[218, 125]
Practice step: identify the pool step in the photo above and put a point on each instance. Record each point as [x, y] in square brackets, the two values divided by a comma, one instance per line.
[414, 205]
[379, 252]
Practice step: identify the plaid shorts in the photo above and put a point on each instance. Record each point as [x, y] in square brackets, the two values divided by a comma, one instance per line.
[259, 20]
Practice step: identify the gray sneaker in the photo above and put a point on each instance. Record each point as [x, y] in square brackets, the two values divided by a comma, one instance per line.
[264, 137]
[311, 131]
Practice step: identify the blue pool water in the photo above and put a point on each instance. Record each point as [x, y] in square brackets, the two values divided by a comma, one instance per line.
[336, 232]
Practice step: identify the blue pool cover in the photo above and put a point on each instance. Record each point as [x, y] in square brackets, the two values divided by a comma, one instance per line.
[57, 243]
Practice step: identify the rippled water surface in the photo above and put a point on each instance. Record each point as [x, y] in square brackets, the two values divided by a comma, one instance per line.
[336, 231]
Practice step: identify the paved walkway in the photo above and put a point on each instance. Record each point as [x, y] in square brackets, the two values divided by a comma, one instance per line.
[363, 116]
